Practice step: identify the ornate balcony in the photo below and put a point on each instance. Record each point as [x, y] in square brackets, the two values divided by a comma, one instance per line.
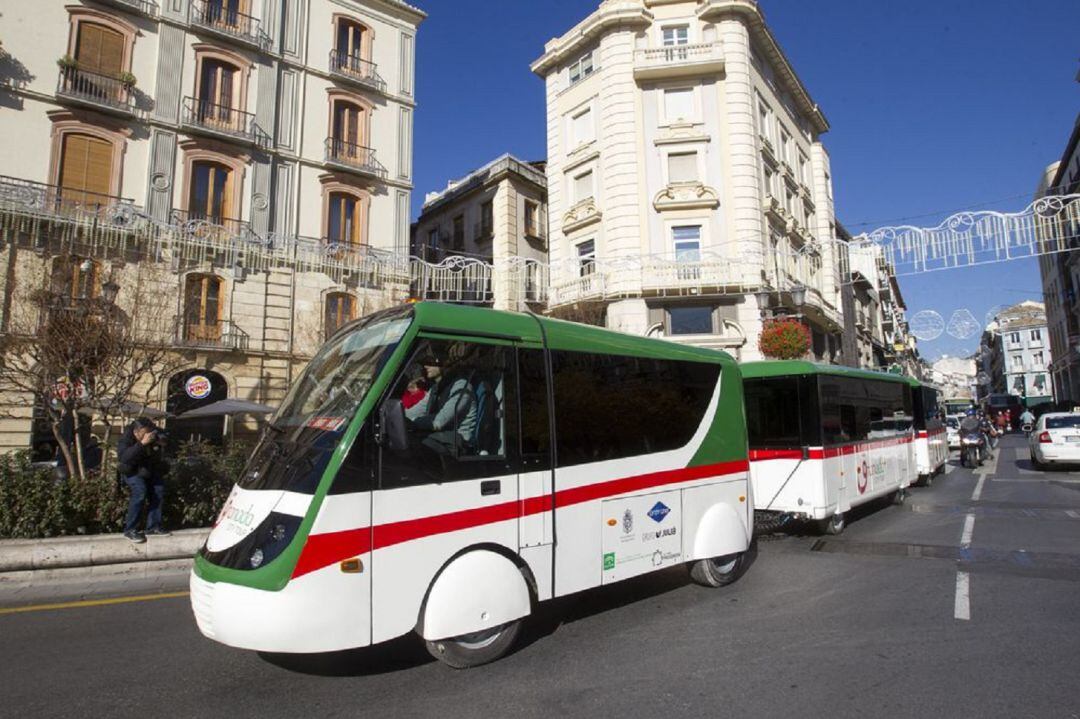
[213, 15]
[223, 335]
[40, 200]
[354, 69]
[655, 63]
[220, 120]
[102, 92]
[355, 158]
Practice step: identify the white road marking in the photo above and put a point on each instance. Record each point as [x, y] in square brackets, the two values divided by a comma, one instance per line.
[1073, 513]
[990, 468]
[978, 489]
[1051, 479]
[962, 605]
[969, 527]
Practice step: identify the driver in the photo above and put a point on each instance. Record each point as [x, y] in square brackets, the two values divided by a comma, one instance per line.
[448, 411]
[1027, 417]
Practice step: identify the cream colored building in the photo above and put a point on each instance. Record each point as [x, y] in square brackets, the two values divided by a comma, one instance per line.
[685, 174]
[259, 152]
[492, 217]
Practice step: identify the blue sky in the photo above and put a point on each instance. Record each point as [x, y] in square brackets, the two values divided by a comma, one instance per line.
[935, 106]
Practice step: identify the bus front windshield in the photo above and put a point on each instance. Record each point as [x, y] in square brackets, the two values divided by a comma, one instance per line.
[338, 378]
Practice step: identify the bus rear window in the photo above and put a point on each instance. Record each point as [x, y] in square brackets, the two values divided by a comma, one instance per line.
[1062, 422]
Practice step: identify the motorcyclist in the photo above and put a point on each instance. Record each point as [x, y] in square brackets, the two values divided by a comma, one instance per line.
[973, 424]
[1027, 419]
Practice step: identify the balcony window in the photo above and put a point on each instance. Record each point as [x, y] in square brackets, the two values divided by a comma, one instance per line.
[99, 49]
[344, 221]
[349, 133]
[202, 308]
[532, 219]
[351, 55]
[678, 104]
[690, 320]
[351, 40]
[487, 219]
[85, 176]
[433, 241]
[216, 96]
[682, 167]
[581, 68]
[686, 240]
[586, 252]
[459, 233]
[674, 37]
[210, 195]
[340, 310]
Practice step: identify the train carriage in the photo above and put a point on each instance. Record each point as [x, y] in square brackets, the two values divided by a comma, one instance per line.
[824, 439]
[931, 441]
[550, 458]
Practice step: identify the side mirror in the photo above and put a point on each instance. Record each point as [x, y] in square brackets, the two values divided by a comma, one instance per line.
[392, 432]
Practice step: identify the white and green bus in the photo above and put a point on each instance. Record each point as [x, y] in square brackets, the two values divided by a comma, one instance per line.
[541, 459]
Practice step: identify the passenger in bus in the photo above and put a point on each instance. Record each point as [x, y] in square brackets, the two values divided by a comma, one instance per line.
[416, 390]
[448, 412]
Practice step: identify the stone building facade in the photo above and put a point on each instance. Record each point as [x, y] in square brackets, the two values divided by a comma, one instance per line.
[687, 177]
[1017, 353]
[256, 154]
[493, 217]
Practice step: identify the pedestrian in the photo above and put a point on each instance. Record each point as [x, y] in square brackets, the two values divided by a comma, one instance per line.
[142, 466]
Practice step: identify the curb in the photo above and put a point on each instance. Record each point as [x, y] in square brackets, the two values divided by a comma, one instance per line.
[22, 555]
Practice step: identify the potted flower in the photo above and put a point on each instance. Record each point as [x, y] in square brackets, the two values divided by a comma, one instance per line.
[66, 62]
[784, 339]
[127, 80]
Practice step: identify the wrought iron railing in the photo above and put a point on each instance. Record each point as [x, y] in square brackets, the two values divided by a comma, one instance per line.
[40, 199]
[217, 16]
[199, 112]
[203, 225]
[355, 68]
[354, 156]
[222, 334]
[95, 87]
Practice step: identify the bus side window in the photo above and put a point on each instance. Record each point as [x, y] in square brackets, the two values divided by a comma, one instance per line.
[535, 419]
[458, 428]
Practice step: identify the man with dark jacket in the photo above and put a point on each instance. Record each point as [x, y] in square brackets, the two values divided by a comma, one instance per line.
[143, 469]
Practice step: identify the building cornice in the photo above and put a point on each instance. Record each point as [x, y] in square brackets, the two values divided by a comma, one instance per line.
[751, 14]
[610, 15]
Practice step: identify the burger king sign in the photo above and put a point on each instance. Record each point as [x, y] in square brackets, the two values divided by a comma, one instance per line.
[197, 386]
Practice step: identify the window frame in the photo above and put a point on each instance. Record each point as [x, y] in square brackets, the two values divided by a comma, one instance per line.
[694, 116]
[582, 71]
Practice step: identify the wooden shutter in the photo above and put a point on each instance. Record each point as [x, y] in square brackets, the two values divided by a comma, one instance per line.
[99, 49]
[86, 168]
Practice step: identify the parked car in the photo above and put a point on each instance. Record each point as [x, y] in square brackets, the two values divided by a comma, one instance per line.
[1055, 439]
[952, 430]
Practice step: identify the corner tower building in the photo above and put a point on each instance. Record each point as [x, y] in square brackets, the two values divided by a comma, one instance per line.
[690, 195]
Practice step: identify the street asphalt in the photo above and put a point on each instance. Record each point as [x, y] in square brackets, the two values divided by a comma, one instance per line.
[944, 607]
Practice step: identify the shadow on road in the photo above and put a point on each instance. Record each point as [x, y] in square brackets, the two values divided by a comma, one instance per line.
[408, 651]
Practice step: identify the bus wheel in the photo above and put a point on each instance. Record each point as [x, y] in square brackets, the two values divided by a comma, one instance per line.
[833, 525]
[927, 480]
[718, 571]
[472, 650]
[900, 495]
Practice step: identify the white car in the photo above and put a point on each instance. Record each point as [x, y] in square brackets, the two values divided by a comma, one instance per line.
[952, 430]
[1055, 439]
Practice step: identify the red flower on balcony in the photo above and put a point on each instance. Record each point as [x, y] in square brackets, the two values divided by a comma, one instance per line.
[784, 339]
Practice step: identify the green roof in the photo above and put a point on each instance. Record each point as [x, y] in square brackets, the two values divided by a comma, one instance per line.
[560, 334]
[786, 368]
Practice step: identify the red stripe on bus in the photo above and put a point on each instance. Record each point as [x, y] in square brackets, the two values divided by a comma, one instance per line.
[757, 455]
[322, 550]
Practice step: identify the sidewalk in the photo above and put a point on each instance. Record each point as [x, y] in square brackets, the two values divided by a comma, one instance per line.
[79, 567]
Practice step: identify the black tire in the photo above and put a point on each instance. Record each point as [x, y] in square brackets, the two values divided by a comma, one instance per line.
[718, 571]
[473, 650]
[832, 525]
[900, 495]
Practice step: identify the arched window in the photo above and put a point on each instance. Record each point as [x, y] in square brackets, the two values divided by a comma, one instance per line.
[202, 309]
[99, 49]
[210, 192]
[352, 40]
[86, 164]
[344, 220]
[340, 309]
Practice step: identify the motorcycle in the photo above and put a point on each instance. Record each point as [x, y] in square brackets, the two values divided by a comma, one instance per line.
[972, 449]
[1027, 427]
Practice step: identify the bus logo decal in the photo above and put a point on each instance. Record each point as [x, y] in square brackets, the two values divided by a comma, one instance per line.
[609, 561]
[658, 512]
[627, 522]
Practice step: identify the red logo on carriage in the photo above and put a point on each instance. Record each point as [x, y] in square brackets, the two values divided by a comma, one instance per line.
[863, 476]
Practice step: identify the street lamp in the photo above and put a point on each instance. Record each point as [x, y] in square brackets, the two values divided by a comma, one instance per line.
[763, 296]
[798, 296]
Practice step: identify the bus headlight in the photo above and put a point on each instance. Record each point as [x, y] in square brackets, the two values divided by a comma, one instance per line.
[261, 546]
[257, 558]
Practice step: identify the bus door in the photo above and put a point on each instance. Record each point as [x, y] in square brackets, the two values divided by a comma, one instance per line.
[536, 530]
[448, 480]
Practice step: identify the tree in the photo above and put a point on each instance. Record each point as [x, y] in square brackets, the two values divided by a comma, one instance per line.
[79, 347]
